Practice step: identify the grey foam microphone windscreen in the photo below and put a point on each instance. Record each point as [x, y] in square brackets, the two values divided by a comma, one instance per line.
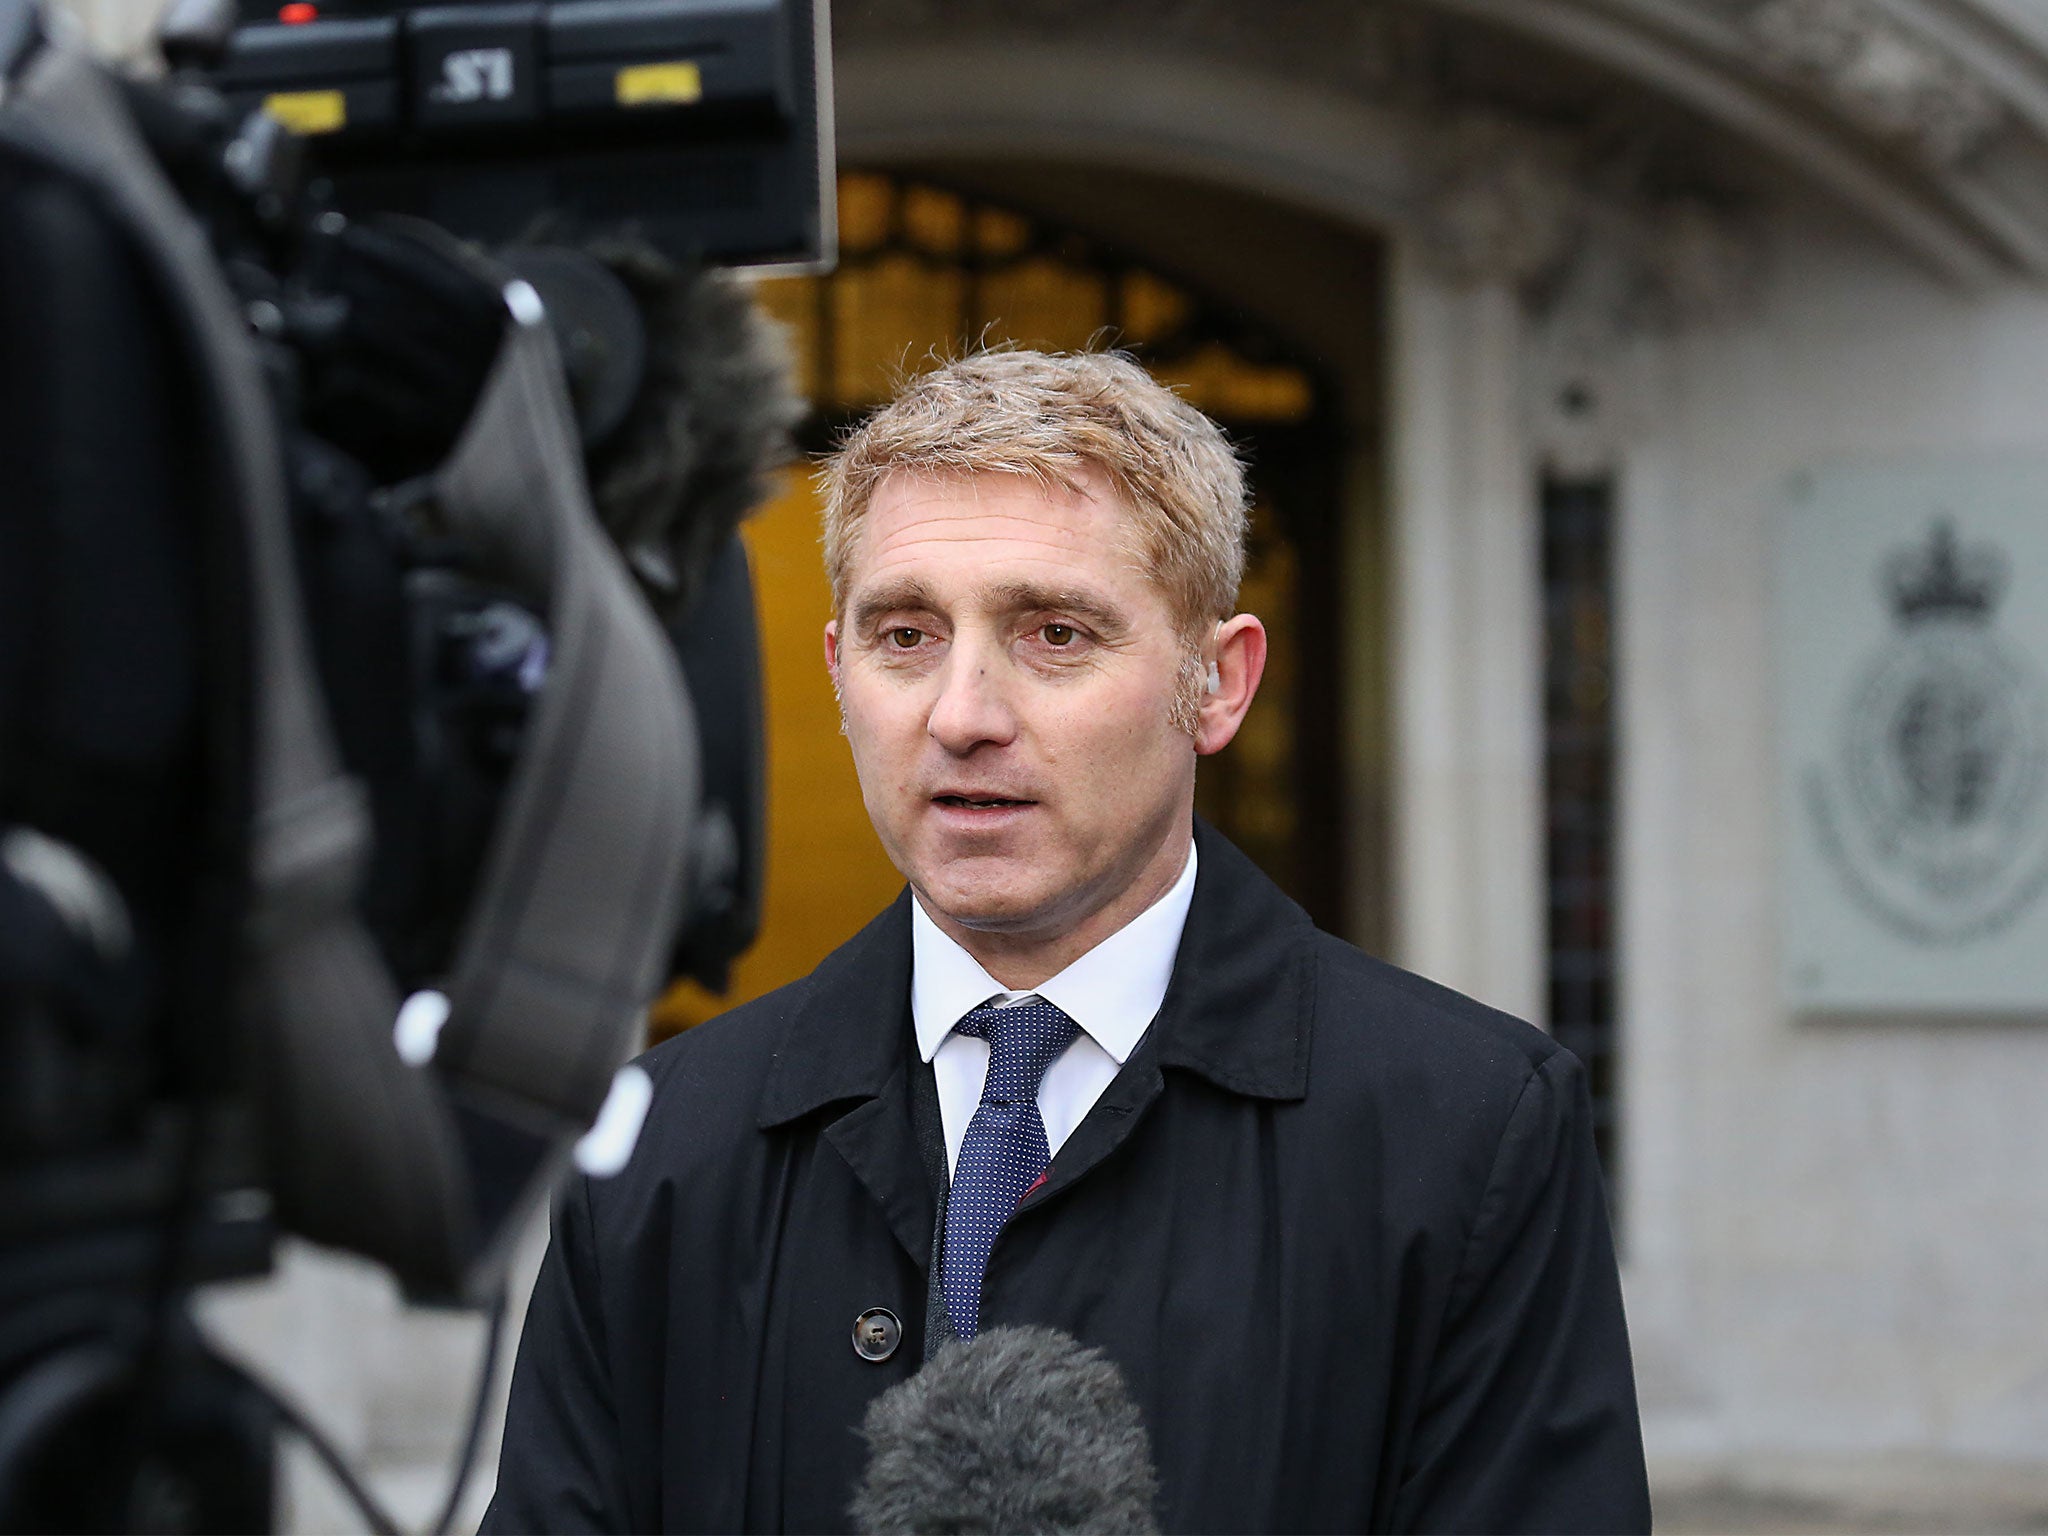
[1020, 1430]
[711, 420]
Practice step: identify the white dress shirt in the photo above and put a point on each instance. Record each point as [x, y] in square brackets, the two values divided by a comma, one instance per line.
[1112, 992]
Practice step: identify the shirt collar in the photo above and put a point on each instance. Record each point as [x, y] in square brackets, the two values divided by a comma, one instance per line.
[1112, 991]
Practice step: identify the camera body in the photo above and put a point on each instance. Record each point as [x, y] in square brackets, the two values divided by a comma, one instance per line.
[703, 125]
[322, 678]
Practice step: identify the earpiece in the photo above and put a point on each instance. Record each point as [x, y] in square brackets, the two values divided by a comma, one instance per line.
[1215, 679]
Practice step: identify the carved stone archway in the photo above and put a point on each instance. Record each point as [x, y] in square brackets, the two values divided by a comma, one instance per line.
[1480, 208]
[1926, 115]
[1489, 125]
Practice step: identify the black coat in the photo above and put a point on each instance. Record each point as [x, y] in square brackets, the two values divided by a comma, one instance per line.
[1342, 1229]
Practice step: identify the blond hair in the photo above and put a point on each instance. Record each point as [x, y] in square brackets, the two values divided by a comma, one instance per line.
[1052, 417]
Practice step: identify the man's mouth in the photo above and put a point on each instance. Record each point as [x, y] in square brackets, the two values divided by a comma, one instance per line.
[978, 802]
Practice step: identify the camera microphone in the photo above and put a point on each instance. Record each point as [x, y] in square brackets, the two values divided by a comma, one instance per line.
[1020, 1429]
[683, 396]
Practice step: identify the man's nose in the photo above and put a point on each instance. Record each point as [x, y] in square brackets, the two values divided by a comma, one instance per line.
[971, 708]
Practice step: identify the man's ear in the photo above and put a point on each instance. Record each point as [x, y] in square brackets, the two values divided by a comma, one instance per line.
[832, 648]
[1239, 655]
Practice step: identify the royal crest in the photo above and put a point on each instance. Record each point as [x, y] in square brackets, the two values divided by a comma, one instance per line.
[1934, 812]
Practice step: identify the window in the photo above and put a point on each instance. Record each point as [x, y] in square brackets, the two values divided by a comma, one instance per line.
[1579, 785]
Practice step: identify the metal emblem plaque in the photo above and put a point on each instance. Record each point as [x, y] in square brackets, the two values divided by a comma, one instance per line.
[1913, 738]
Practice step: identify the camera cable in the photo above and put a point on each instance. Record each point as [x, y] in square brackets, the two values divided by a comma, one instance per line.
[375, 1515]
[472, 1437]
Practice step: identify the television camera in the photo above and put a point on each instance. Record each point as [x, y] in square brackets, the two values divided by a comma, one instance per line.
[379, 718]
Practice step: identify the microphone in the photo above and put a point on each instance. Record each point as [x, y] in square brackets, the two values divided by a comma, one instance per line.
[684, 395]
[1019, 1429]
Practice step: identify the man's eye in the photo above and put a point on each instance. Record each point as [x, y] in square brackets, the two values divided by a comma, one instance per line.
[905, 639]
[1057, 634]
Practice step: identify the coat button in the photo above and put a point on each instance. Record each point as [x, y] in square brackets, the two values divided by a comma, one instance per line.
[876, 1333]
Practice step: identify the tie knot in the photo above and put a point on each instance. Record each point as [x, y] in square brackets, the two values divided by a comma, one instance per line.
[1023, 1040]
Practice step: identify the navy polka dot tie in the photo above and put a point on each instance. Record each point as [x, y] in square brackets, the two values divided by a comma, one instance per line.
[1004, 1152]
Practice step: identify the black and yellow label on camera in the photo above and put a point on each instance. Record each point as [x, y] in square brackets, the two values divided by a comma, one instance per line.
[675, 84]
[308, 111]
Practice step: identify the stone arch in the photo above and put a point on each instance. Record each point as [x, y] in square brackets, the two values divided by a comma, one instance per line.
[1337, 155]
[1928, 119]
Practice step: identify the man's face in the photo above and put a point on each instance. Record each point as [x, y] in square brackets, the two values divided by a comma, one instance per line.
[1007, 675]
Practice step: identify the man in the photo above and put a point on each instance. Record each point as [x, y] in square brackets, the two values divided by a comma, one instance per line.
[1341, 1229]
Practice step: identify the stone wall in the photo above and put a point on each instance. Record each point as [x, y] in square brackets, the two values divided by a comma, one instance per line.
[1839, 1231]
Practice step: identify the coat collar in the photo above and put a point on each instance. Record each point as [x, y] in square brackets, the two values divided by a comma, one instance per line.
[850, 1033]
[1239, 1007]
[1237, 1011]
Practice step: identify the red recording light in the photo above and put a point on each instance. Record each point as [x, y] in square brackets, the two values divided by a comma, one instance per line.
[297, 13]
